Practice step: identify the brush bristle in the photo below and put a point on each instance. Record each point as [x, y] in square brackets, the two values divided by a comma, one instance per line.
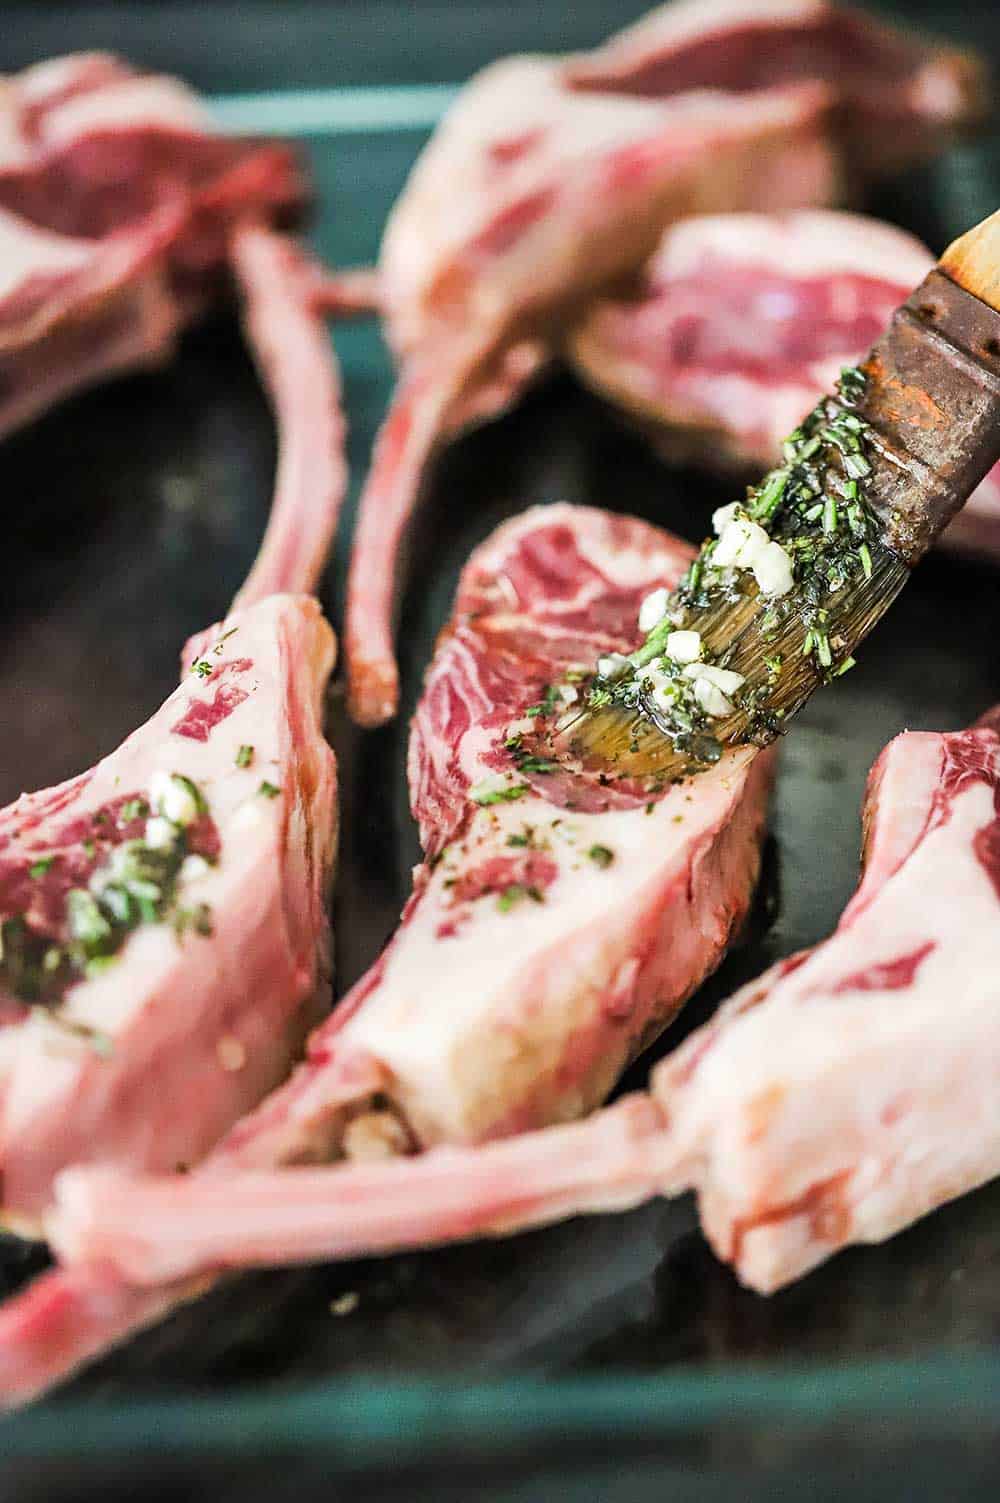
[780, 666]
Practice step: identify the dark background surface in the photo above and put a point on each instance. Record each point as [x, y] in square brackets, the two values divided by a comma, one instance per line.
[131, 517]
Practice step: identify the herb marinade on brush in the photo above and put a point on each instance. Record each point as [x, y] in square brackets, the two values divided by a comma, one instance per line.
[801, 570]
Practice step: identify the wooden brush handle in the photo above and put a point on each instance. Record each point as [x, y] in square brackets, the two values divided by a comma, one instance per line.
[932, 396]
[973, 261]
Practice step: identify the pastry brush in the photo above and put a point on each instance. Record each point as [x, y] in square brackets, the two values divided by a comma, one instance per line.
[806, 565]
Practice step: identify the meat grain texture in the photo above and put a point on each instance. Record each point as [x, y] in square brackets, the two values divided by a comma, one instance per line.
[740, 322]
[147, 1063]
[526, 971]
[846, 1093]
[552, 179]
[118, 198]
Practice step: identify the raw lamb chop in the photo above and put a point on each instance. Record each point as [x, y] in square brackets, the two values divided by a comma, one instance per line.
[568, 171]
[740, 322]
[555, 927]
[117, 201]
[846, 1093]
[136, 899]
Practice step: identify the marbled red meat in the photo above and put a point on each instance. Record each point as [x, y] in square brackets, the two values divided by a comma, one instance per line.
[164, 1004]
[221, 957]
[740, 321]
[833, 1101]
[118, 199]
[527, 1008]
[552, 180]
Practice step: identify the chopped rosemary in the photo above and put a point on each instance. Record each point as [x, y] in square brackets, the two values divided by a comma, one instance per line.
[217, 649]
[268, 790]
[535, 764]
[198, 918]
[600, 855]
[515, 894]
[487, 792]
[546, 704]
[807, 533]
[136, 884]
[244, 756]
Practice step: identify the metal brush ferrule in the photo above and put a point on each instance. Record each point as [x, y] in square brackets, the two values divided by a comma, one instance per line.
[932, 400]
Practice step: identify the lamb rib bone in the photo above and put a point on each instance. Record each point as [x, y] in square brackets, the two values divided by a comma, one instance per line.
[702, 108]
[293, 354]
[847, 1092]
[739, 323]
[543, 946]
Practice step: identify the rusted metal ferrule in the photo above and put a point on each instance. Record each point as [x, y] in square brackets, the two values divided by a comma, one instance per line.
[932, 401]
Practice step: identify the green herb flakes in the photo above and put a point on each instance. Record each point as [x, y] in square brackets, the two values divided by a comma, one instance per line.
[601, 855]
[511, 896]
[198, 919]
[98, 965]
[87, 924]
[244, 756]
[488, 792]
[217, 649]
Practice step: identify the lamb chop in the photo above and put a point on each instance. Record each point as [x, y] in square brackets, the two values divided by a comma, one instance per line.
[555, 927]
[843, 1095]
[117, 201]
[504, 230]
[139, 897]
[740, 321]
[136, 898]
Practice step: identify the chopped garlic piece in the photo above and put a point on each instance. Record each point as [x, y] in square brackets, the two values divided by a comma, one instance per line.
[711, 698]
[170, 796]
[193, 867]
[773, 570]
[612, 665]
[684, 646]
[741, 544]
[722, 516]
[652, 610]
[726, 679]
[160, 833]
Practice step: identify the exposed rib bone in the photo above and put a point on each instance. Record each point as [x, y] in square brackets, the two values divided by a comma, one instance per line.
[299, 369]
[844, 1094]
